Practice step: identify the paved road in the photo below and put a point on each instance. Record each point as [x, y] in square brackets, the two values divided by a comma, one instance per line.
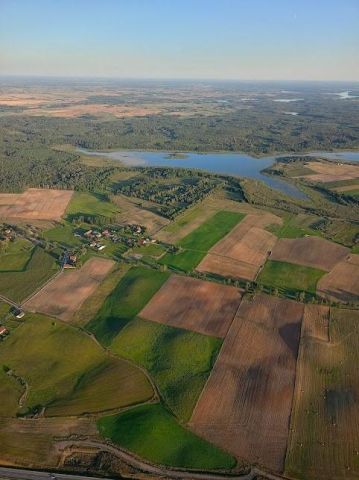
[19, 474]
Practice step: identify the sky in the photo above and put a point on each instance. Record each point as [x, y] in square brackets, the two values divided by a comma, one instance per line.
[189, 39]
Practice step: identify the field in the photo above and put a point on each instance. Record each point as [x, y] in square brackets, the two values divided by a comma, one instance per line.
[290, 276]
[203, 307]
[325, 420]
[342, 283]
[309, 251]
[16, 255]
[294, 226]
[244, 250]
[331, 171]
[82, 374]
[178, 360]
[65, 294]
[19, 285]
[152, 433]
[36, 204]
[62, 233]
[128, 298]
[92, 205]
[196, 244]
[246, 404]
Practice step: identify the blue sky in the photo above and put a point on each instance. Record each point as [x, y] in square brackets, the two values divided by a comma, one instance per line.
[229, 39]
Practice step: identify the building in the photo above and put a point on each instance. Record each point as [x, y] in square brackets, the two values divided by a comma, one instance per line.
[3, 331]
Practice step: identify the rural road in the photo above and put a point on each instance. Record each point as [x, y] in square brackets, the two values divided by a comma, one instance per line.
[19, 474]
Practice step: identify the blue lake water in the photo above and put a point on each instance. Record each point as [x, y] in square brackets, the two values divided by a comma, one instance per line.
[237, 164]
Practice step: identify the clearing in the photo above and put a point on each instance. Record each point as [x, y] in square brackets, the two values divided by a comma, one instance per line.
[65, 294]
[342, 283]
[324, 429]
[312, 252]
[244, 250]
[246, 404]
[152, 433]
[35, 204]
[197, 305]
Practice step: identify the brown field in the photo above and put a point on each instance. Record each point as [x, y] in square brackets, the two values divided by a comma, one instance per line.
[63, 296]
[32, 442]
[244, 250]
[132, 213]
[347, 188]
[246, 404]
[120, 111]
[331, 171]
[312, 252]
[324, 438]
[341, 283]
[35, 204]
[196, 305]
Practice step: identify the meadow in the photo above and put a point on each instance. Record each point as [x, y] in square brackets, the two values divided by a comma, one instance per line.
[178, 360]
[86, 204]
[16, 255]
[152, 433]
[125, 301]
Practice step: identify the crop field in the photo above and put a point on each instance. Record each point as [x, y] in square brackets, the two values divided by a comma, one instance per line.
[125, 301]
[197, 305]
[179, 361]
[342, 283]
[65, 294]
[16, 255]
[290, 276]
[85, 204]
[32, 442]
[246, 404]
[309, 251]
[324, 435]
[36, 204]
[18, 285]
[134, 211]
[82, 373]
[196, 244]
[331, 171]
[294, 226]
[244, 250]
[152, 433]
[62, 233]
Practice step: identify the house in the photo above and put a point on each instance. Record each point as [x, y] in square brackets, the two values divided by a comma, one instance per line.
[19, 314]
[101, 247]
[3, 331]
[71, 261]
[88, 233]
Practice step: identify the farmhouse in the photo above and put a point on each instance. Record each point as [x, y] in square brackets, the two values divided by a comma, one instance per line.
[3, 331]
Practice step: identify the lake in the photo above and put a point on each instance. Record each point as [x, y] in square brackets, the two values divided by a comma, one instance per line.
[237, 164]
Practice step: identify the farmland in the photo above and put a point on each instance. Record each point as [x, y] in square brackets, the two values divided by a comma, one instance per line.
[325, 420]
[65, 294]
[203, 307]
[253, 378]
[16, 255]
[342, 282]
[90, 206]
[331, 171]
[36, 204]
[152, 433]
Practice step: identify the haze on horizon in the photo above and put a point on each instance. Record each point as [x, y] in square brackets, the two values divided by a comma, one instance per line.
[197, 39]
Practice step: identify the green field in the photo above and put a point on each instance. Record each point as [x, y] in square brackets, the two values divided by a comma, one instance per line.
[152, 433]
[19, 285]
[128, 298]
[196, 244]
[67, 371]
[178, 360]
[290, 276]
[64, 234]
[150, 250]
[16, 256]
[91, 204]
[10, 392]
[291, 229]
[185, 218]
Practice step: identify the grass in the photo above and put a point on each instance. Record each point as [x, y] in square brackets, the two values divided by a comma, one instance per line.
[16, 256]
[64, 234]
[67, 371]
[178, 360]
[290, 229]
[10, 392]
[90, 204]
[197, 243]
[290, 276]
[152, 433]
[127, 299]
[19, 285]
[150, 250]
[184, 219]
[324, 439]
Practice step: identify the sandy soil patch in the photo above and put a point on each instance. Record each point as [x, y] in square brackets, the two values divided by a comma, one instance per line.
[312, 252]
[36, 204]
[245, 406]
[203, 307]
[331, 171]
[244, 250]
[341, 283]
[65, 294]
